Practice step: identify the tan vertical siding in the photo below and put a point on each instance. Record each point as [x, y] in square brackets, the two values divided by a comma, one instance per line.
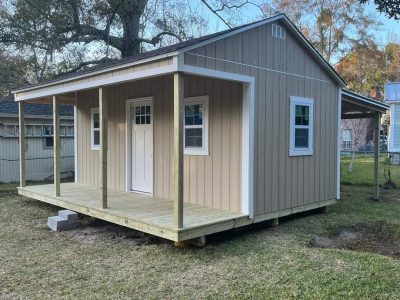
[213, 180]
[281, 182]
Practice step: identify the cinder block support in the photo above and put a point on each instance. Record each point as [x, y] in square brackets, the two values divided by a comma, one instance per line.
[68, 215]
[66, 220]
[275, 222]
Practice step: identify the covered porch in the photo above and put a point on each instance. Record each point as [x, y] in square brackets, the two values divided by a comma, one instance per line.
[169, 206]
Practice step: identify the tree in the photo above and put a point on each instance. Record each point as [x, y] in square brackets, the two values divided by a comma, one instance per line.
[369, 66]
[66, 35]
[334, 27]
[391, 8]
[12, 73]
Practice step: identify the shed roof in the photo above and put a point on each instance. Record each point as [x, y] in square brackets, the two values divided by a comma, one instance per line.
[184, 46]
[356, 105]
[9, 107]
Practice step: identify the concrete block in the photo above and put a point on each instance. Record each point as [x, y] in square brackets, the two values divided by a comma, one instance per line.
[57, 223]
[66, 214]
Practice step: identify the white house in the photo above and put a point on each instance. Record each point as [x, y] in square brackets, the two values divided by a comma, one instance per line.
[392, 97]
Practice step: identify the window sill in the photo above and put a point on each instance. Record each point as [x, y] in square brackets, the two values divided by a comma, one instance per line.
[95, 148]
[307, 152]
[195, 152]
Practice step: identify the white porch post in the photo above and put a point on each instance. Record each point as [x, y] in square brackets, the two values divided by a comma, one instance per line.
[377, 121]
[103, 147]
[56, 145]
[177, 165]
[22, 146]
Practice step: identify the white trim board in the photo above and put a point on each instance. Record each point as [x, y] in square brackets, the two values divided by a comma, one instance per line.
[105, 70]
[103, 82]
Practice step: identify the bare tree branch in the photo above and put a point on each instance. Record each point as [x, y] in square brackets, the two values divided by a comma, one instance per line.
[215, 12]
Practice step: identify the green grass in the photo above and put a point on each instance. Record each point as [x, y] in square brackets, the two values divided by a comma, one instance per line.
[99, 260]
[362, 172]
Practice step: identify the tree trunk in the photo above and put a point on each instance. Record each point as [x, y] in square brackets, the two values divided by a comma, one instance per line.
[130, 13]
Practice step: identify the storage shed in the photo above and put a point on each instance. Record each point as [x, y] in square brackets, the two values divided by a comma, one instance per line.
[214, 133]
[39, 141]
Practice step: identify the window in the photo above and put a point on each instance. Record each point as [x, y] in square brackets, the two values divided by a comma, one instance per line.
[48, 142]
[143, 115]
[278, 31]
[95, 127]
[196, 126]
[346, 137]
[47, 133]
[301, 126]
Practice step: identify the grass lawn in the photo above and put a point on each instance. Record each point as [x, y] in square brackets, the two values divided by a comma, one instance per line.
[100, 260]
[362, 172]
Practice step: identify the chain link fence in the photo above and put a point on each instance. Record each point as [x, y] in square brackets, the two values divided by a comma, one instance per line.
[357, 168]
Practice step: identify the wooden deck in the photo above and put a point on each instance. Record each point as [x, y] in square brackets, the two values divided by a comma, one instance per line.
[137, 211]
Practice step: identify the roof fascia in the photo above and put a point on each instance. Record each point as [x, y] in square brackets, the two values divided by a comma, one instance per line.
[375, 104]
[106, 70]
[159, 71]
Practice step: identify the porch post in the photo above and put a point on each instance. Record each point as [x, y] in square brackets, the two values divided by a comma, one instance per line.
[56, 145]
[377, 121]
[22, 169]
[177, 166]
[103, 147]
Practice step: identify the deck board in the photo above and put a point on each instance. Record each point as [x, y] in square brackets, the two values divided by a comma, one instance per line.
[138, 211]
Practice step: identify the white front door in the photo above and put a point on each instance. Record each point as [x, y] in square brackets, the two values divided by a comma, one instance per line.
[142, 146]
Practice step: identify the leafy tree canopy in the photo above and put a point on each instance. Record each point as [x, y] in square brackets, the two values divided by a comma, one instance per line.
[391, 8]
[333, 27]
[368, 66]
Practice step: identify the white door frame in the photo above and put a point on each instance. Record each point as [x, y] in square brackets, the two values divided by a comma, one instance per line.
[128, 141]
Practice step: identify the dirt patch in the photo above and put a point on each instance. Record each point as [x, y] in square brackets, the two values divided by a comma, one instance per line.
[366, 237]
[5, 194]
[92, 231]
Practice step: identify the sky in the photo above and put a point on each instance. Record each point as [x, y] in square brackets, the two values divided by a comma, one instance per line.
[390, 28]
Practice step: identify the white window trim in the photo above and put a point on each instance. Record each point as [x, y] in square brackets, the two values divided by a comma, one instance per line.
[203, 100]
[92, 112]
[306, 102]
